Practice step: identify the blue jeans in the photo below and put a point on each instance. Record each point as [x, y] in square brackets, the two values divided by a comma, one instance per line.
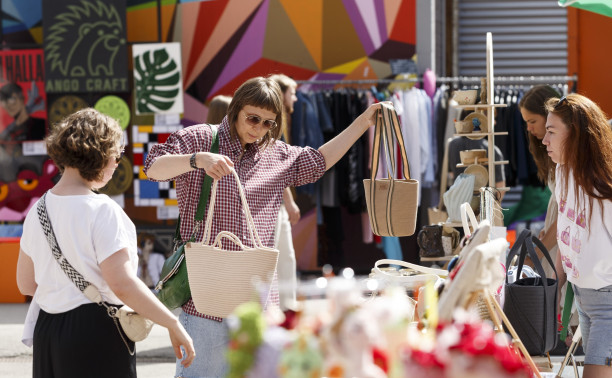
[595, 314]
[210, 340]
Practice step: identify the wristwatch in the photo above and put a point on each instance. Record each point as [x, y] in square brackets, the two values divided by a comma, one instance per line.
[192, 161]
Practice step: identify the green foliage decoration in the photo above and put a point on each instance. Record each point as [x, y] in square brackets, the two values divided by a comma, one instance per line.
[157, 79]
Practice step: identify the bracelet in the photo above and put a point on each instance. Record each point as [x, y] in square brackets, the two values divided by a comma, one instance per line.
[192, 161]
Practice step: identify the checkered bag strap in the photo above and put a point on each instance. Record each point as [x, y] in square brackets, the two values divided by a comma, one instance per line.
[74, 276]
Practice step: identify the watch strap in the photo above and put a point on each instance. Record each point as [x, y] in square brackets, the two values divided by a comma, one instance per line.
[192, 161]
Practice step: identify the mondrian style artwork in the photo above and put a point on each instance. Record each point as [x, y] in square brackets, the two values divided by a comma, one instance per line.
[150, 193]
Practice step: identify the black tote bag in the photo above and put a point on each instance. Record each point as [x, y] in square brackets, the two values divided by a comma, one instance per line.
[531, 303]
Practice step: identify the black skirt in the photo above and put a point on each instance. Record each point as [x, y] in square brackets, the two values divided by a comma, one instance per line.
[83, 342]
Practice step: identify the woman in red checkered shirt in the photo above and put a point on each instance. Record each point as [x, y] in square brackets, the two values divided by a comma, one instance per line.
[248, 142]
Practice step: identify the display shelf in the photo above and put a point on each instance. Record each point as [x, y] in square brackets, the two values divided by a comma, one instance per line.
[441, 258]
[480, 106]
[467, 135]
[486, 162]
[453, 224]
[488, 110]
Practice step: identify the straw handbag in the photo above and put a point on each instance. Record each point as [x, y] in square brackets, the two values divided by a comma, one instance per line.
[392, 204]
[220, 280]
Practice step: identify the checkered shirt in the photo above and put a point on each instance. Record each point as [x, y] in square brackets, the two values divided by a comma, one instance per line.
[264, 174]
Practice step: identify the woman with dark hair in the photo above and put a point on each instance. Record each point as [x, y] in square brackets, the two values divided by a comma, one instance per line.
[534, 114]
[579, 140]
[248, 143]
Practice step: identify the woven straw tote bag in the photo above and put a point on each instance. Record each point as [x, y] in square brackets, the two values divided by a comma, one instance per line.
[392, 203]
[220, 280]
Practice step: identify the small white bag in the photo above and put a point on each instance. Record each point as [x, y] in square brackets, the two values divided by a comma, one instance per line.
[410, 282]
[219, 279]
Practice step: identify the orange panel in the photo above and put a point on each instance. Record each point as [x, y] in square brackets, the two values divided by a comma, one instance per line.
[142, 25]
[281, 37]
[342, 44]
[307, 20]
[167, 17]
[9, 250]
[363, 72]
[588, 56]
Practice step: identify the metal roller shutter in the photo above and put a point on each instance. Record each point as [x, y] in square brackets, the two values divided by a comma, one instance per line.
[529, 37]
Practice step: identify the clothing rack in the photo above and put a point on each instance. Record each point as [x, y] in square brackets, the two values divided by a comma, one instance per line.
[456, 79]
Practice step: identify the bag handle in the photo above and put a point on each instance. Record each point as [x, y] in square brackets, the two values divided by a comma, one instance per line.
[249, 219]
[387, 123]
[523, 245]
[204, 192]
[388, 129]
[230, 236]
[466, 211]
[418, 268]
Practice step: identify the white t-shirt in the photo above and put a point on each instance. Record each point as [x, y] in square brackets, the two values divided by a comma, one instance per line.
[88, 228]
[585, 247]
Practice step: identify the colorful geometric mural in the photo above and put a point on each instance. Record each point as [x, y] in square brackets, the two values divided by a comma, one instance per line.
[225, 42]
[22, 22]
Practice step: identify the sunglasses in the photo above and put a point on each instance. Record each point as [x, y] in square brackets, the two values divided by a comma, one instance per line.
[254, 120]
[118, 158]
[561, 101]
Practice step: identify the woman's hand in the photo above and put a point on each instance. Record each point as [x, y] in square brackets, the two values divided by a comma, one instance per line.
[293, 211]
[333, 150]
[372, 111]
[179, 338]
[215, 165]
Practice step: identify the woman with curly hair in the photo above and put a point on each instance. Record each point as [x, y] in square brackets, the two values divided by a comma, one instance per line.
[73, 336]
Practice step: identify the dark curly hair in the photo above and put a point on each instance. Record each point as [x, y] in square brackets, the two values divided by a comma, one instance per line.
[84, 140]
[262, 93]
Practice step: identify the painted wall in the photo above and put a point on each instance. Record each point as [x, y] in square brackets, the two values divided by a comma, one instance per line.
[589, 55]
[225, 42]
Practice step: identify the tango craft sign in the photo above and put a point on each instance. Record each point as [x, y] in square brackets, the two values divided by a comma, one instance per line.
[85, 46]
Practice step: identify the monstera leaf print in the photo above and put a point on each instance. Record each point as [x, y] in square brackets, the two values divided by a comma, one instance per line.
[157, 81]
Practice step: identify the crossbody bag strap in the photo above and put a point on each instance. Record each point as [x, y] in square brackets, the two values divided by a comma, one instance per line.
[72, 273]
[87, 288]
[204, 193]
